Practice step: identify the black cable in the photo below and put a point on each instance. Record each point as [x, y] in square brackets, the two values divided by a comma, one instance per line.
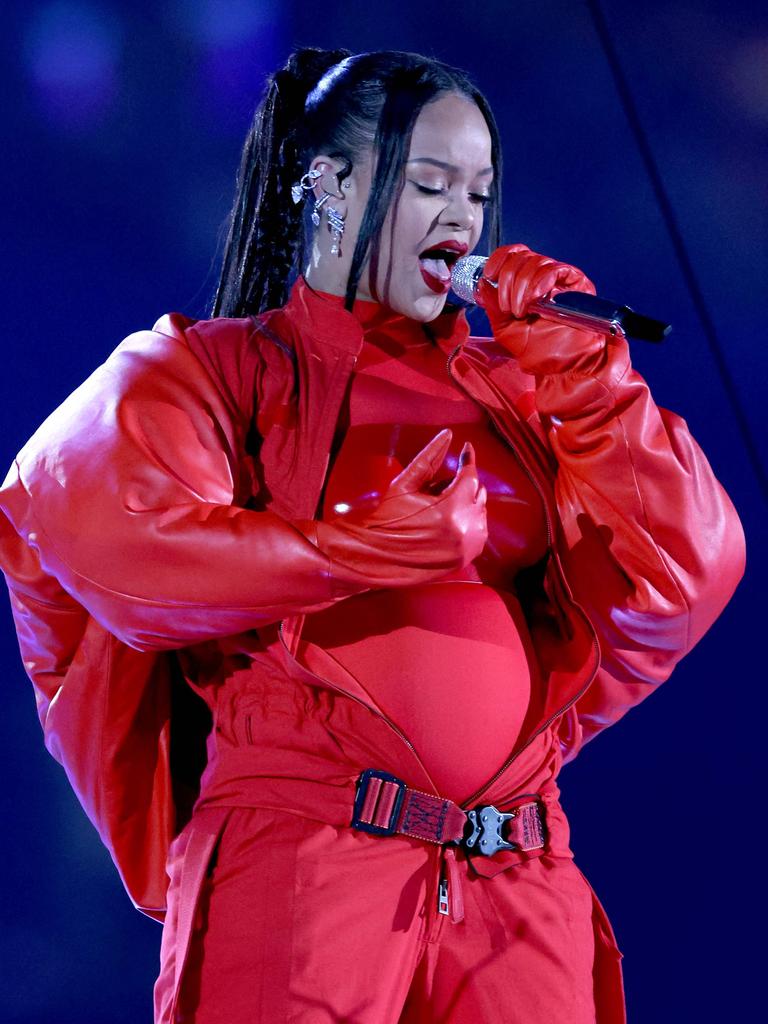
[710, 333]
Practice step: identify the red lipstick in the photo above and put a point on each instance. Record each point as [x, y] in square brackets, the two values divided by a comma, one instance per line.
[436, 262]
[435, 283]
[460, 248]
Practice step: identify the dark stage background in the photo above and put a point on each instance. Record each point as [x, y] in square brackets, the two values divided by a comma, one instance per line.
[121, 129]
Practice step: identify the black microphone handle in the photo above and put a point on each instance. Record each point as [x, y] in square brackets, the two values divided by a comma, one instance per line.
[577, 309]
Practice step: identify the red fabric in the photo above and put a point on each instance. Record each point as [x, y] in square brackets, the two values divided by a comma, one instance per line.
[461, 652]
[297, 920]
[264, 776]
[147, 528]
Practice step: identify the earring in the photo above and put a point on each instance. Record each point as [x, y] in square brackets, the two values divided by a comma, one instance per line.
[306, 184]
[316, 210]
[336, 227]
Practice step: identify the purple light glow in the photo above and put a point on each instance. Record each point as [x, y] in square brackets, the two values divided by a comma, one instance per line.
[214, 24]
[238, 43]
[72, 51]
[234, 75]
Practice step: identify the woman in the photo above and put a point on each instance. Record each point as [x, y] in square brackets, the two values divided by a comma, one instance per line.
[400, 631]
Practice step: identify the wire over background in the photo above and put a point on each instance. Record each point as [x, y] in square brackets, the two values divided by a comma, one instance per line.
[678, 242]
[123, 123]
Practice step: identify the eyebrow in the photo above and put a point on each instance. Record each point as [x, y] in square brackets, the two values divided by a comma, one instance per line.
[442, 165]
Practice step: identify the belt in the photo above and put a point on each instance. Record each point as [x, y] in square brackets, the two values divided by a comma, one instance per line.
[385, 805]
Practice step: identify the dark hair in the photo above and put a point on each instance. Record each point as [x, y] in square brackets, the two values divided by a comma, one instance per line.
[334, 102]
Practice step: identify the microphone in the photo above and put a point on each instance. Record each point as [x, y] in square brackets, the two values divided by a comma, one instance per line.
[577, 309]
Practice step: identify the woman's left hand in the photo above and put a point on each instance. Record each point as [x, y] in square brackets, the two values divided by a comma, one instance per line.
[541, 346]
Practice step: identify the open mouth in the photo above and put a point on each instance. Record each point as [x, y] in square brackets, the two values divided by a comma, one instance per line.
[436, 264]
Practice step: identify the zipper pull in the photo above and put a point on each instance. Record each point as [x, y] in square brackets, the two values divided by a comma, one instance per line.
[443, 906]
[451, 902]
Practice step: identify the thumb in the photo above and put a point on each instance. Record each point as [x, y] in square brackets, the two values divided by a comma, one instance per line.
[424, 465]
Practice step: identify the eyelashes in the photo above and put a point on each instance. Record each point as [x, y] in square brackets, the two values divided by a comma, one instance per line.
[476, 197]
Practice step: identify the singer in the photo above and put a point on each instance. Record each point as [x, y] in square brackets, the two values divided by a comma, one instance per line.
[405, 574]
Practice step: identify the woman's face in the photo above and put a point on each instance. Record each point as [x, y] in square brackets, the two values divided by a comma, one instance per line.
[448, 177]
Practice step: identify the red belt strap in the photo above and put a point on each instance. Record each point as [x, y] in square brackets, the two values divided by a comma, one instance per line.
[385, 805]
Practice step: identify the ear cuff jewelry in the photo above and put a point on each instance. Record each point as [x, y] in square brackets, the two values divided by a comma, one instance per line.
[316, 210]
[336, 226]
[306, 184]
[299, 191]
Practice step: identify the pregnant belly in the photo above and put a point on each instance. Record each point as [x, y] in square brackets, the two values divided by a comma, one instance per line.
[449, 663]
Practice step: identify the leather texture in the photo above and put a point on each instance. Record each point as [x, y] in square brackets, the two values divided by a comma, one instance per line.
[540, 346]
[411, 535]
[167, 504]
[446, 634]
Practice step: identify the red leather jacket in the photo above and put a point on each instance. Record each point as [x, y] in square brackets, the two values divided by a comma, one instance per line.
[153, 510]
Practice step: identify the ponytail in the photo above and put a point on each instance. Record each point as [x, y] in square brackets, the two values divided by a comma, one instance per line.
[343, 105]
[265, 227]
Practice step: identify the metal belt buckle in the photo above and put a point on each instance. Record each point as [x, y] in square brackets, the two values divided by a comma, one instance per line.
[486, 835]
[378, 800]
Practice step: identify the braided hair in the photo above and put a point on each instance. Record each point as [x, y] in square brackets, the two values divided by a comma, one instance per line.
[344, 105]
[265, 224]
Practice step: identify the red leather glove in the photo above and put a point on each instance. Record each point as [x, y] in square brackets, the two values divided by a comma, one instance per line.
[541, 346]
[412, 536]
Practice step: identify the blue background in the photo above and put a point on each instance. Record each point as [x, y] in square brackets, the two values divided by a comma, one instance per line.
[121, 129]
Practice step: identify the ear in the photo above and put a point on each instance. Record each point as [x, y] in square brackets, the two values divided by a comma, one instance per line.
[330, 167]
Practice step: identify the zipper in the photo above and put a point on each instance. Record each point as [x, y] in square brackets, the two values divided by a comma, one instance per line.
[362, 703]
[443, 905]
[502, 432]
[595, 645]
[340, 689]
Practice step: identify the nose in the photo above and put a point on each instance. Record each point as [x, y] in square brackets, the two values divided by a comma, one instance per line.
[459, 211]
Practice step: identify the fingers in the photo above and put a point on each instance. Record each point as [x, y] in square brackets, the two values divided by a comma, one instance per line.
[496, 260]
[523, 281]
[424, 465]
[466, 484]
[547, 281]
[465, 488]
[524, 276]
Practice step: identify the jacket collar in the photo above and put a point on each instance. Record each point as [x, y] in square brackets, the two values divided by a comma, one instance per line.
[324, 318]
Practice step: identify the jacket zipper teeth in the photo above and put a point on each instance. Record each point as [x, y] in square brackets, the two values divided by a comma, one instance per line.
[551, 719]
[595, 645]
[362, 703]
[375, 711]
[524, 468]
[528, 742]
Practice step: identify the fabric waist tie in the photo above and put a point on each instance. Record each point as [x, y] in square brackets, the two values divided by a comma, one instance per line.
[534, 824]
[493, 838]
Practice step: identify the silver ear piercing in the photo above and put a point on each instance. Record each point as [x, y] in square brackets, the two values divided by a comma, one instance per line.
[306, 184]
[336, 226]
[316, 209]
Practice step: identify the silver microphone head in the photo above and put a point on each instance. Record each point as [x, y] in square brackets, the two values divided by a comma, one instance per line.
[465, 274]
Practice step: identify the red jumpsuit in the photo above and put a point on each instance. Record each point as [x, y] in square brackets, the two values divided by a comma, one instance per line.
[147, 534]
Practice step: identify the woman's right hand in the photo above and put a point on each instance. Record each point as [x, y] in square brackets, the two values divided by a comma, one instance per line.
[413, 535]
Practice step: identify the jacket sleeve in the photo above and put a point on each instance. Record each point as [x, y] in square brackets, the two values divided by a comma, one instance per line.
[126, 495]
[650, 544]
